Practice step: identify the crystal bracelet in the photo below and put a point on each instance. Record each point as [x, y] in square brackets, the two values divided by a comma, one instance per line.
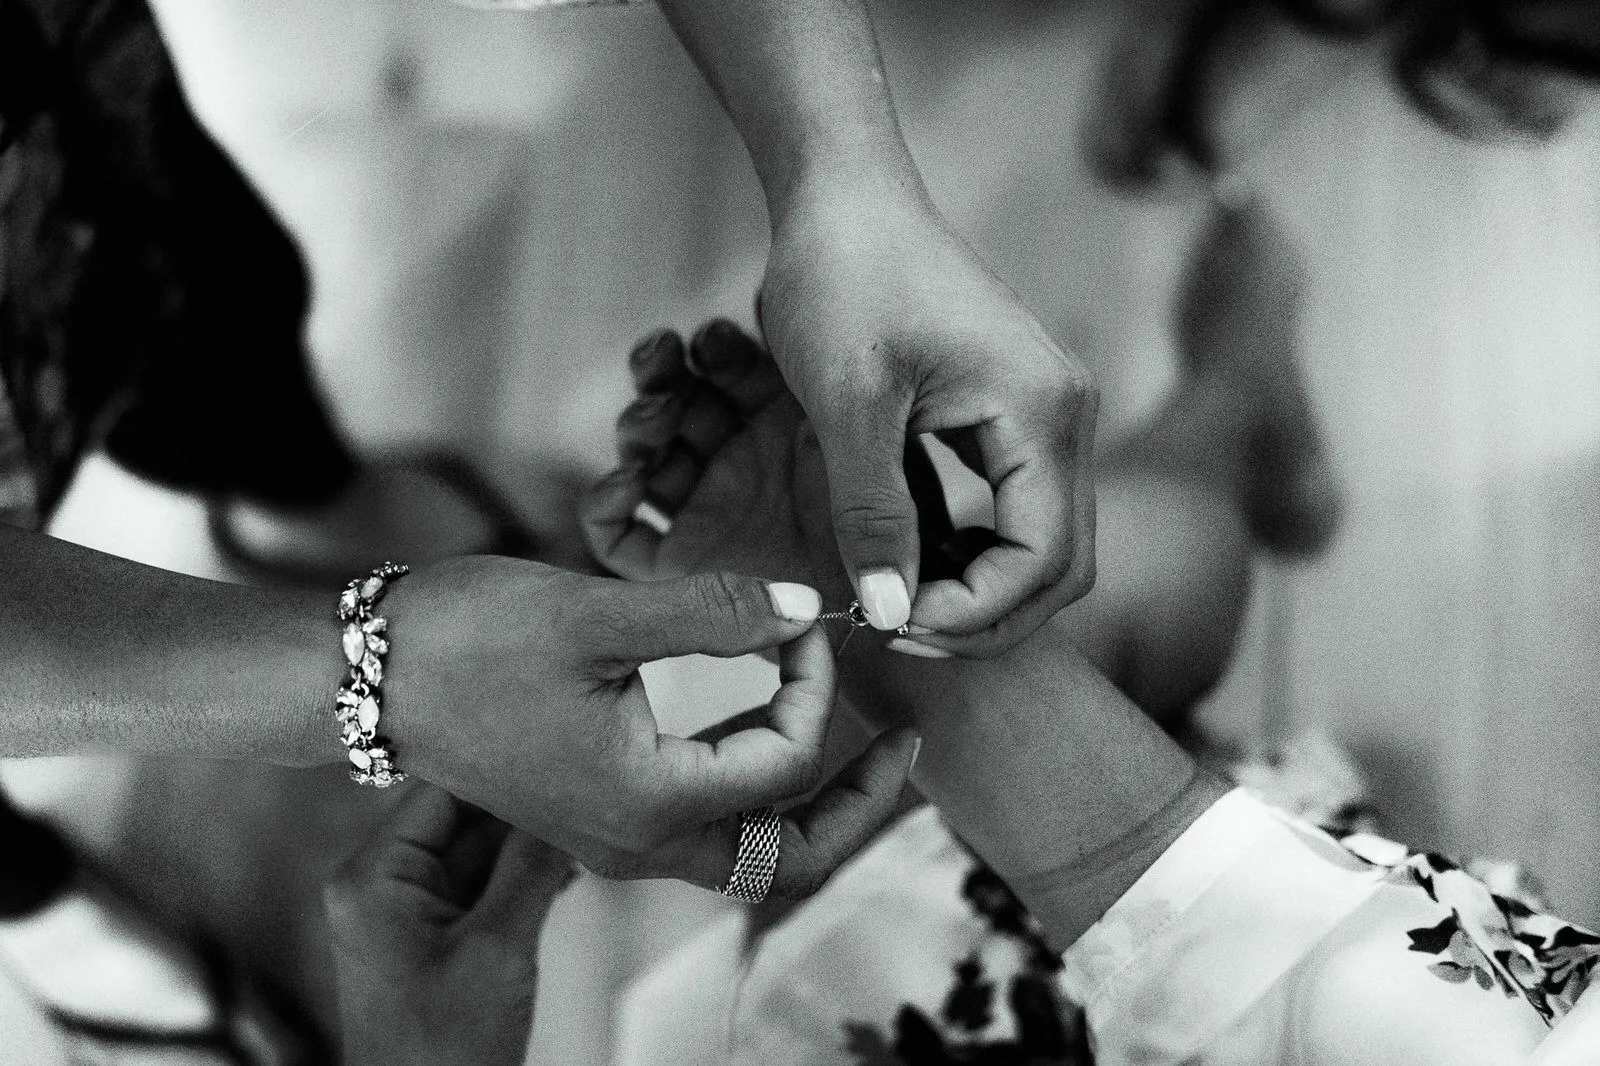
[360, 698]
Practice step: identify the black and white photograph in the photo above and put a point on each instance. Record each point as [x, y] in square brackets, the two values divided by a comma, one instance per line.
[800, 532]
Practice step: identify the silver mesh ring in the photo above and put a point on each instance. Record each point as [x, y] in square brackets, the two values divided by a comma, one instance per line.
[757, 861]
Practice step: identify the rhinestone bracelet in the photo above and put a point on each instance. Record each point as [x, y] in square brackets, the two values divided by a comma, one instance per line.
[360, 698]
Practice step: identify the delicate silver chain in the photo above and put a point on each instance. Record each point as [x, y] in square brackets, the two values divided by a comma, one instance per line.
[360, 698]
[757, 861]
[856, 615]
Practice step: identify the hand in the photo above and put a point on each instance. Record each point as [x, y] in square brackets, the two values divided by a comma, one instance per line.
[436, 926]
[884, 323]
[717, 442]
[515, 686]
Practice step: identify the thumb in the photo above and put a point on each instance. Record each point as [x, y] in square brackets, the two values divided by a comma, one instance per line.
[707, 614]
[874, 516]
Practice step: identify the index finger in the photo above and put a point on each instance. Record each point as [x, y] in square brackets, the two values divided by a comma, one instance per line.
[1044, 524]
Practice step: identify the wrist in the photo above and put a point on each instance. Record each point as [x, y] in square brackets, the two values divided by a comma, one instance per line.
[288, 680]
[1070, 898]
[845, 184]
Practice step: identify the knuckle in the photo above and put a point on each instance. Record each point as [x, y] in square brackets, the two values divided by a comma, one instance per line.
[809, 768]
[725, 603]
[873, 516]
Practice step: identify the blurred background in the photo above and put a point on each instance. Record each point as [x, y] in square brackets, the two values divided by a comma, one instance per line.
[496, 205]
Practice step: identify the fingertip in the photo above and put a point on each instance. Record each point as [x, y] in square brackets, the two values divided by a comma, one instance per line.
[657, 362]
[899, 748]
[805, 651]
[721, 349]
[945, 608]
[885, 597]
[645, 428]
[794, 602]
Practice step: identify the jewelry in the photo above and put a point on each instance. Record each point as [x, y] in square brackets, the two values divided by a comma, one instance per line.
[757, 860]
[360, 698]
[648, 514]
[856, 615]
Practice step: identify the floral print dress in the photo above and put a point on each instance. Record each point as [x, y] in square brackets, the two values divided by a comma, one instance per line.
[1257, 938]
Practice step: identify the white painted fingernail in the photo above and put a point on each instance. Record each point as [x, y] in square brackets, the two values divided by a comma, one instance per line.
[919, 631]
[884, 598]
[794, 602]
[648, 514]
[921, 651]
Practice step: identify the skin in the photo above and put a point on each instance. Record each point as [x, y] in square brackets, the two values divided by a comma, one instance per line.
[885, 324]
[510, 683]
[435, 928]
[516, 684]
[1037, 760]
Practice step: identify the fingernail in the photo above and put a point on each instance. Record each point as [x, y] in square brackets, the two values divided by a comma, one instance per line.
[921, 651]
[884, 598]
[916, 750]
[652, 517]
[794, 602]
[919, 631]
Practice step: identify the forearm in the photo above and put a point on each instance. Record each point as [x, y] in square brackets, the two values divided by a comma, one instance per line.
[1063, 786]
[803, 82]
[105, 653]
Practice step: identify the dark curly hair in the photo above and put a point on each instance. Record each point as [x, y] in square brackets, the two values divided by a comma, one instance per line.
[1477, 68]
[149, 300]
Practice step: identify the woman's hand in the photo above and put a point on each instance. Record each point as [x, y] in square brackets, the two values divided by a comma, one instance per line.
[716, 443]
[885, 323]
[515, 686]
[436, 926]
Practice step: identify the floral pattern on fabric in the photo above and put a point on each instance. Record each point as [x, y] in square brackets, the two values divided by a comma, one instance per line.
[1495, 935]
[1499, 941]
[1046, 1029]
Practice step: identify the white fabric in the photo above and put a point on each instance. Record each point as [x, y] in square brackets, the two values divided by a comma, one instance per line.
[883, 932]
[1254, 939]
[1258, 939]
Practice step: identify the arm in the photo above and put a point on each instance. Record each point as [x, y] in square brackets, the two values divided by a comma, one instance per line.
[103, 652]
[1200, 923]
[1065, 788]
[885, 324]
[512, 684]
[803, 82]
